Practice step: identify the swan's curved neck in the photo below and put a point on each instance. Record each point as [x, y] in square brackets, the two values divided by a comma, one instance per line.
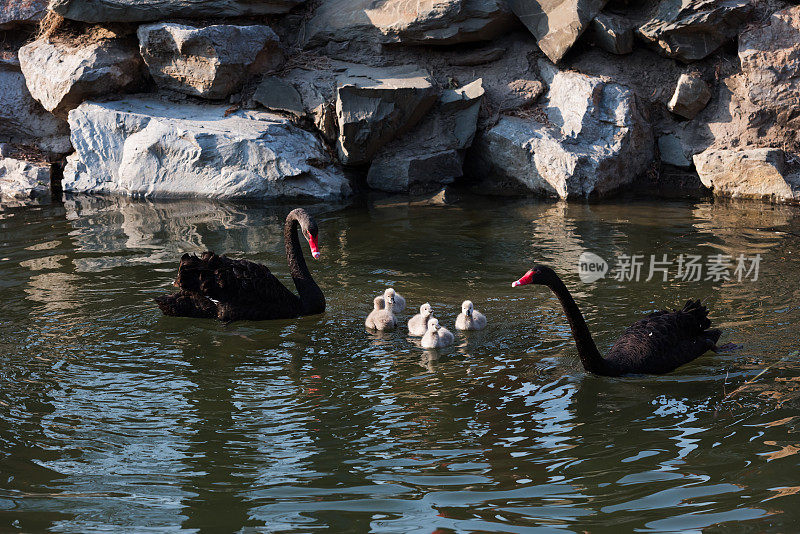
[312, 300]
[587, 350]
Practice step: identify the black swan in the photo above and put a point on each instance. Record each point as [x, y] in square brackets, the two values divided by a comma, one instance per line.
[231, 290]
[657, 344]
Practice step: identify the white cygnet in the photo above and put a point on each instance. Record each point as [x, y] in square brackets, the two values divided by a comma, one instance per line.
[470, 318]
[399, 301]
[418, 325]
[381, 317]
[436, 337]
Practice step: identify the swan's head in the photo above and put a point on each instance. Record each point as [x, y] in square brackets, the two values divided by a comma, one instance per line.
[426, 310]
[388, 298]
[540, 274]
[433, 325]
[467, 307]
[389, 292]
[309, 228]
[378, 303]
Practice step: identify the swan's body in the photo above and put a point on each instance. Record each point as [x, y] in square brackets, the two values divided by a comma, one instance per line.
[436, 337]
[418, 325]
[399, 301]
[659, 343]
[470, 318]
[381, 317]
[230, 290]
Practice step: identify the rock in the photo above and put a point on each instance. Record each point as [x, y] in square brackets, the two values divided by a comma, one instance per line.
[425, 22]
[758, 173]
[770, 60]
[279, 95]
[521, 94]
[17, 12]
[690, 97]
[61, 75]
[23, 120]
[431, 154]
[478, 57]
[613, 34]
[671, 150]
[23, 180]
[150, 10]
[593, 141]
[146, 147]
[689, 30]
[210, 62]
[375, 105]
[556, 24]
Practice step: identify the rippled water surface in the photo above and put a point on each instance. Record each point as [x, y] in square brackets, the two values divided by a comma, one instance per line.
[114, 418]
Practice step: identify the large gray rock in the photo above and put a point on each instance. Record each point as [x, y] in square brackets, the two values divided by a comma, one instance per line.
[150, 10]
[556, 24]
[146, 147]
[690, 97]
[16, 12]
[592, 142]
[759, 173]
[210, 62]
[770, 59]
[23, 180]
[428, 22]
[431, 154]
[22, 119]
[692, 29]
[375, 105]
[61, 75]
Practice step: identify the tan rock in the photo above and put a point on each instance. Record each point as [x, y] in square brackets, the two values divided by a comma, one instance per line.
[556, 24]
[758, 173]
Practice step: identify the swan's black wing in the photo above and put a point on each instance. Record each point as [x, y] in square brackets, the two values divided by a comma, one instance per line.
[245, 290]
[187, 304]
[663, 341]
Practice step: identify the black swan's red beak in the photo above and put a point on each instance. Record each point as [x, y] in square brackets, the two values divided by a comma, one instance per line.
[525, 280]
[312, 242]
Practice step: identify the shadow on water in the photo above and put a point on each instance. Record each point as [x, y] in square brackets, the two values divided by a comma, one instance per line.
[115, 418]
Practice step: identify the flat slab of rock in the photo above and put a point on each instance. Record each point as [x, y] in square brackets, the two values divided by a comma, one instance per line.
[146, 147]
[16, 12]
[425, 22]
[556, 24]
[592, 142]
[690, 97]
[210, 62]
[279, 95]
[150, 10]
[23, 180]
[689, 30]
[375, 105]
[431, 154]
[758, 173]
[61, 75]
[23, 120]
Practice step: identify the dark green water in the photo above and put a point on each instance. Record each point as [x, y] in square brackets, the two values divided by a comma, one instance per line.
[115, 418]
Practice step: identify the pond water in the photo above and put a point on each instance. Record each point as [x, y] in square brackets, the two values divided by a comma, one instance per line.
[115, 418]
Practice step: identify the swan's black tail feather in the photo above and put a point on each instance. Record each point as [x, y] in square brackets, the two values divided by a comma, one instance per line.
[187, 304]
